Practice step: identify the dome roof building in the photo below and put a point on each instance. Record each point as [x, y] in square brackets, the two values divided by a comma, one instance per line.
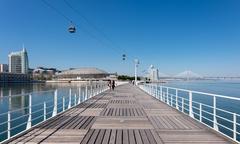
[83, 74]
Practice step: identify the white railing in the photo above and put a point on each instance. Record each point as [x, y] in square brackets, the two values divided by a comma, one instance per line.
[49, 108]
[225, 121]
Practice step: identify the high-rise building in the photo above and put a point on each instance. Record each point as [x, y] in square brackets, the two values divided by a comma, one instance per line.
[3, 68]
[18, 62]
[153, 73]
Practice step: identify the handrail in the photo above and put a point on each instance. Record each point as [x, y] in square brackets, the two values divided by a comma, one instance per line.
[50, 106]
[204, 93]
[26, 94]
[195, 110]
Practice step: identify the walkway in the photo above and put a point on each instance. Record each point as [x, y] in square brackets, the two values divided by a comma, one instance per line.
[126, 115]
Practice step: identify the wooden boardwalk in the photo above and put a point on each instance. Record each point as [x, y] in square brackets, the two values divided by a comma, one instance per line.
[126, 115]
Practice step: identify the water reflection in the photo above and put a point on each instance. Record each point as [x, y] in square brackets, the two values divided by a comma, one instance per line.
[8, 92]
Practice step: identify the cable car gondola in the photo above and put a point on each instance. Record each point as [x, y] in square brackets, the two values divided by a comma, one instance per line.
[72, 28]
[123, 57]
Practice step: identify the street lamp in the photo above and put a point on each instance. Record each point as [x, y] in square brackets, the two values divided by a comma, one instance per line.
[136, 66]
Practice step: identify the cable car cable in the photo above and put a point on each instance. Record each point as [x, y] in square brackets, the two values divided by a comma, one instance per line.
[72, 28]
[93, 25]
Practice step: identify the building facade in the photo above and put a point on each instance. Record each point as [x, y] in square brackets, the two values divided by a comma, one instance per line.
[14, 78]
[3, 68]
[153, 73]
[18, 62]
[42, 73]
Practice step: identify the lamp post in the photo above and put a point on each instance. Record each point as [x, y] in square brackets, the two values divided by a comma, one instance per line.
[136, 66]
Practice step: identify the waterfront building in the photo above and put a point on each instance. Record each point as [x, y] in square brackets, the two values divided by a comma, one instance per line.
[82, 74]
[153, 73]
[42, 73]
[18, 62]
[14, 77]
[3, 68]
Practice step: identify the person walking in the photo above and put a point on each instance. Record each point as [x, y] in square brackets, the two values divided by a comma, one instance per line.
[113, 85]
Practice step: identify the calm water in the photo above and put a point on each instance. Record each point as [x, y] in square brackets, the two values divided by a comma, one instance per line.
[223, 87]
[19, 104]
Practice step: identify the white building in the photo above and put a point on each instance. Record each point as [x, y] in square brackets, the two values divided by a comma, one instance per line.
[18, 62]
[3, 68]
[153, 73]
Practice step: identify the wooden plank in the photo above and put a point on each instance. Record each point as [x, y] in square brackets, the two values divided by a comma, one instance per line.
[87, 136]
[122, 123]
[131, 137]
[138, 137]
[156, 137]
[119, 136]
[144, 136]
[100, 137]
[106, 136]
[150, 137]
[94, 136]
[113, 137]
[125, 137]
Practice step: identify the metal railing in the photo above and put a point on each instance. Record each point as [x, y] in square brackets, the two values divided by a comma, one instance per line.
[204, 109]
[46, 109]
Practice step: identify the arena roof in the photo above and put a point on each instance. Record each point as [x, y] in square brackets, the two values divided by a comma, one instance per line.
[83, 71]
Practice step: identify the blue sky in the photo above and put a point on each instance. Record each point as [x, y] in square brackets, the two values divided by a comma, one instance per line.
[174, 35]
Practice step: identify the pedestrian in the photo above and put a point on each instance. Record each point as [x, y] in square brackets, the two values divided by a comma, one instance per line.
[113, 85]
[133, 82]
[109, 84]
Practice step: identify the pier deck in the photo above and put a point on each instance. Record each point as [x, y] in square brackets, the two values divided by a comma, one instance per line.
[126, 115]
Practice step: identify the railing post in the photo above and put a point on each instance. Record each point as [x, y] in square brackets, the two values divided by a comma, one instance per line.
[156, 91]
[167, 97]
[190, 105]
[234, 126]
[86, 92]
[9, 124]
[148, 89]
[55, 104]
[98, 88]
[182, 104]
[44, 111]
[176, 100]
[91, 91]
[94, 90]
[63, 103]
[79, 95]
[215, 126]
[151, 89]
[75, 99]
[200, 112]
[29, 122]
[70, 98]
[161, 93]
